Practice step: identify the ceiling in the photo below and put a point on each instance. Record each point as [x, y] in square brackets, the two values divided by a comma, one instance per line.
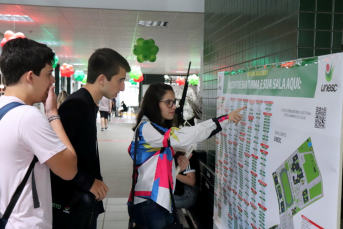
[79, 31]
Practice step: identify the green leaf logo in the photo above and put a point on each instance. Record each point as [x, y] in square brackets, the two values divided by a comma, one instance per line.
[329, 72]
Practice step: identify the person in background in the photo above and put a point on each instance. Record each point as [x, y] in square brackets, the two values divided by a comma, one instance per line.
[61, 97]
[114, 105]
[155, 164]
[26, 132]
[125, 109]
[106, 75]
[105, 107]
[187, 183]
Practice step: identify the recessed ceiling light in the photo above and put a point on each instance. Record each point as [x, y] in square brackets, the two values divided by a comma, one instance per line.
[8, 17]
[154, 23]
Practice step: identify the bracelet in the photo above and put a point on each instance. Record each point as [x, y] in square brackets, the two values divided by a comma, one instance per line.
[52, 119]
[53, 116]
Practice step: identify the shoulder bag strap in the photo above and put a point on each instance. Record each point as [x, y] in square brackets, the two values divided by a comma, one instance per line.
[134, 169]
[21, 186]
[176, 217]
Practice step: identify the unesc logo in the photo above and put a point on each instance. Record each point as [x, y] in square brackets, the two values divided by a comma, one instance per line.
[328, 76]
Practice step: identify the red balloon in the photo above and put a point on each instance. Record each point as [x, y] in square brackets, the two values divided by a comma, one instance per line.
[4, 40]
[140, 79]
[67, 70]
[180, 81]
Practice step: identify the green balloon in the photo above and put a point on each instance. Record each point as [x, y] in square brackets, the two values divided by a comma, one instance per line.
[152, 58]
[140, 41]
[152, 42]
[79, 75]
[137, 50]
[154, 50]
[84, 80]
[140, 58]
[54, 64]
[133, 82]
[146, 56]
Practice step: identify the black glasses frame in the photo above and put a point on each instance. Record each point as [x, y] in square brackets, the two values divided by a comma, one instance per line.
[169, 102]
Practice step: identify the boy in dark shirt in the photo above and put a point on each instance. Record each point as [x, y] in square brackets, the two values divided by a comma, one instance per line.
[106, 74]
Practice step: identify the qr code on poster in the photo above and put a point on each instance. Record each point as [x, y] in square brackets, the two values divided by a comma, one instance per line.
[320, 117]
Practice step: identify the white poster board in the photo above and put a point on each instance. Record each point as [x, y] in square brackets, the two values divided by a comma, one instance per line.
[281, 166]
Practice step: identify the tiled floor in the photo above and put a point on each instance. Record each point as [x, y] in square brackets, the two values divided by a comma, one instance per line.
[115, 216]
[116, 168]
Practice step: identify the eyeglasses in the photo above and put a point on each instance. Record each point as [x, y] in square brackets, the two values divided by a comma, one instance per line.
[169, 102]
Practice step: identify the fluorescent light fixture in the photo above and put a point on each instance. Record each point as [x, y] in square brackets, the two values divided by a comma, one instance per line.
[77, 64]
[51, 43]
[154, 23]
[181, 71]
[8, 17]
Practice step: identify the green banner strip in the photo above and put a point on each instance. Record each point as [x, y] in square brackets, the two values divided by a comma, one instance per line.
[292, 79]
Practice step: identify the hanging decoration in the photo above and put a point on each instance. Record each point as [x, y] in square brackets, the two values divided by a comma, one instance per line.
[193, 80]
[55, 61]
[67, 70]
[84, 79]
[133, 82]
[145, 50]
[180, 81]
[9, 35]
[136, 72]
[166, 79]
[79, 75]
[140, 79]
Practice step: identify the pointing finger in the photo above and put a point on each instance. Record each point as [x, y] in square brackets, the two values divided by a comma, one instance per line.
[240, 109]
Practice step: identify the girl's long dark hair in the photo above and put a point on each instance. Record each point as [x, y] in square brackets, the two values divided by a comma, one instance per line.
[150, 105]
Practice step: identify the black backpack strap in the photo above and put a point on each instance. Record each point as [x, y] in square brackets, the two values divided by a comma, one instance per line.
[19, 190]
[21, 186]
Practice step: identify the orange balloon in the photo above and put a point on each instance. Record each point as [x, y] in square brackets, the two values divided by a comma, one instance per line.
[8, 34]
[19, 34]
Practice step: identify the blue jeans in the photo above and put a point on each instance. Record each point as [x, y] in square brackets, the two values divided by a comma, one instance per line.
[188, 198]
[151, 215]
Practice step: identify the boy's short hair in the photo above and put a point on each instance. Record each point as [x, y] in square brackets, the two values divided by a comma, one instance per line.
[105, 61]
[21, 55]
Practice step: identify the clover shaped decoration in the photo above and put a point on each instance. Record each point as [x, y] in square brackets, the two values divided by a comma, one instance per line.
[145, 50]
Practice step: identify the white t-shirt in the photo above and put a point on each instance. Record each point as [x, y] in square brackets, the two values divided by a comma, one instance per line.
[24, 132]
[104, 104]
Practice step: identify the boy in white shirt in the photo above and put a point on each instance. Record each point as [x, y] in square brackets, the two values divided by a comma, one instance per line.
[25, 132]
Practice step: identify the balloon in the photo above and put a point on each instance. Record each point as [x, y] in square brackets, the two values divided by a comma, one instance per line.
[4, 40]
[84, 80]
[8, 34]
[152, 58]
[154, 50]
[54, 64]
[146, 56]
[67, 70]
[140, 41]
[180, 81]
[193, 80]
[79, 75]
[140, 59]
[140, 79]
[136, 72]
[133, 82]
[145, 50]
[21, 35]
